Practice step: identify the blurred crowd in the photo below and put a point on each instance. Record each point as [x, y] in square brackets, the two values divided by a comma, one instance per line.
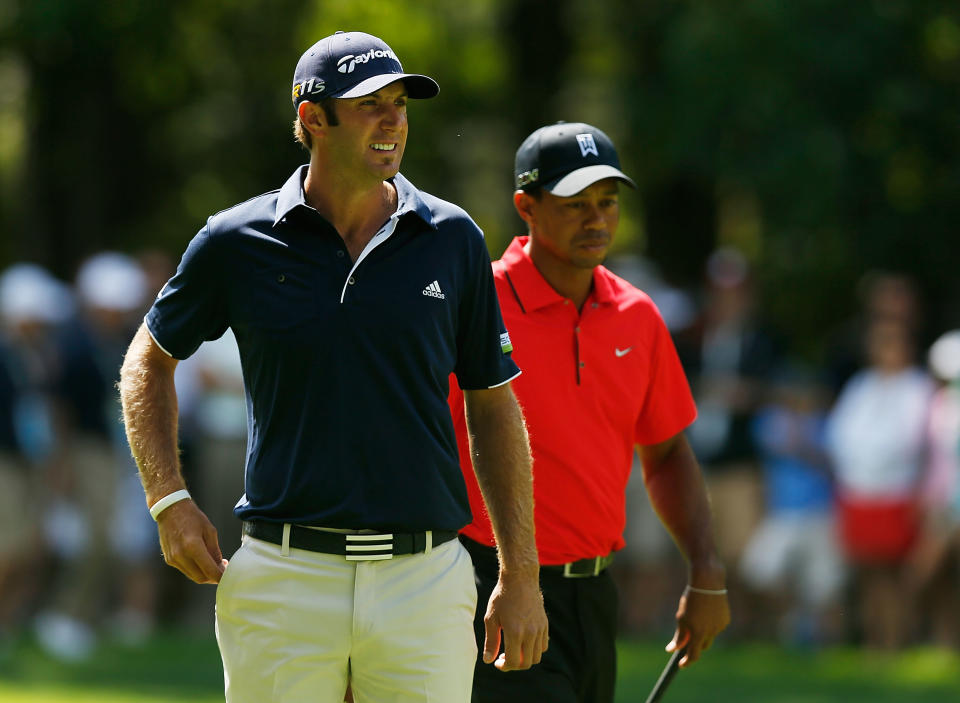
[835, 487]
[79, 556]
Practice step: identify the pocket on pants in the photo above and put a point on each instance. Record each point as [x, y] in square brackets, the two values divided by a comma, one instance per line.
[230, 574]
[469, 577]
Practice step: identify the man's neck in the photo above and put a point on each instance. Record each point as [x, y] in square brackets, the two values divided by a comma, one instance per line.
[356, 210]
[569, 281]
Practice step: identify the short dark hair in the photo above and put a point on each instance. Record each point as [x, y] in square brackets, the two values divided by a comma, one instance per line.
[302, 134]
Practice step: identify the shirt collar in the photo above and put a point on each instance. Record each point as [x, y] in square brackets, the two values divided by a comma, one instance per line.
[291, 194]
[532, 287]
[409, 199]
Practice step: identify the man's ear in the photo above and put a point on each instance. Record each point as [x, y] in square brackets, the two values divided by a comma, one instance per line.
[524, 203]
[313, 118]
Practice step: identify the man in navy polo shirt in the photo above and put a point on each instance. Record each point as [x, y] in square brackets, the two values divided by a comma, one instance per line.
[352, 296]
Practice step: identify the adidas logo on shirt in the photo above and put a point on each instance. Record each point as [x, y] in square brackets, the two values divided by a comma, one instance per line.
[433, 290]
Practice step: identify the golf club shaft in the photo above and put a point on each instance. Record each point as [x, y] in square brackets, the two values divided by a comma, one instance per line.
[666, 675]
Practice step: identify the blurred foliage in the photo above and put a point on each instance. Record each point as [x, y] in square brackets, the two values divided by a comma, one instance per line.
[821, 138]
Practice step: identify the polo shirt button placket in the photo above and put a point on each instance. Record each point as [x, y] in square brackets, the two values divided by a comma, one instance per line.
[576, 339]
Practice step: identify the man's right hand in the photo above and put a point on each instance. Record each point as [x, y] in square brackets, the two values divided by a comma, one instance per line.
[189, 542]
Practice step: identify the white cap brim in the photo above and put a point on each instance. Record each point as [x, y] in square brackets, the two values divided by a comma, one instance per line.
[575, 181]
[418, 86]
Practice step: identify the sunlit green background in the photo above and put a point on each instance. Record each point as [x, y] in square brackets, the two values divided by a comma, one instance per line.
[822, 138]
[187, 670]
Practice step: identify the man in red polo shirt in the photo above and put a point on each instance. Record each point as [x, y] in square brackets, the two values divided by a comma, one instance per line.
[600, 376]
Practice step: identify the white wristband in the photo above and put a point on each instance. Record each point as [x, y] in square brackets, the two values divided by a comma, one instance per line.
[708, 591]
[167, 501]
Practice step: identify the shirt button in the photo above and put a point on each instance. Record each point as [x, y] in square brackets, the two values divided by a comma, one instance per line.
[351, 280]
[582, 364]
[576, 329]
[340, 253]
[594, 305]
[281, 278]
[566, 301]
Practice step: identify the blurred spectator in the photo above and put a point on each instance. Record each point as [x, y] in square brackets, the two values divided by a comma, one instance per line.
[32, 304]
[158, 268]
[792, 560]
[648, 567]
[120, 547]
[221, 422]
[729, 355]
[936, 564]
[211, 382]
[876, 439]
[883, 296]
[676, 306]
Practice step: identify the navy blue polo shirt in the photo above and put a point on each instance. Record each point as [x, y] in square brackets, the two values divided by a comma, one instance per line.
[345, 364]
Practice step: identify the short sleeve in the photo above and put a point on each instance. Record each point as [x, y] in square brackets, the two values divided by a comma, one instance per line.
[190, 308]
[483, 344]
[668, 406]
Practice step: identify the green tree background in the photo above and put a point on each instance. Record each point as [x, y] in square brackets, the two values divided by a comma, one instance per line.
[821, 138]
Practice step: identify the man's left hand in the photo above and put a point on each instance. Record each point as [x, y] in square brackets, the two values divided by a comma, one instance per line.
[700, 618]
[516, 612]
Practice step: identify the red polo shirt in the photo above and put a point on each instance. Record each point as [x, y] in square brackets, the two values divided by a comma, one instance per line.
[594, 384]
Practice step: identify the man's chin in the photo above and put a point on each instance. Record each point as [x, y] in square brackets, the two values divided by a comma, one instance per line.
[590, 259]
[588, 262]
[389, 170]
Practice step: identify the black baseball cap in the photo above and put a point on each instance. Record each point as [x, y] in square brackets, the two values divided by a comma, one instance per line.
[566, 157]
[351, 64]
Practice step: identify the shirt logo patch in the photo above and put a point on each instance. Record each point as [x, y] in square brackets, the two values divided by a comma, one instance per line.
[433, 290]
[587, 145]
[622, 352]
[506, 346]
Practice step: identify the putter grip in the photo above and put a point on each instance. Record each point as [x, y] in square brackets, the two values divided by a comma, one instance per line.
[666, 675]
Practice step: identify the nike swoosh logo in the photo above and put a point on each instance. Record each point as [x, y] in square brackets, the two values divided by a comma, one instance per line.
[622, 352]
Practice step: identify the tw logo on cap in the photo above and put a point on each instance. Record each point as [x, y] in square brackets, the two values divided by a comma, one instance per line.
[587, 145]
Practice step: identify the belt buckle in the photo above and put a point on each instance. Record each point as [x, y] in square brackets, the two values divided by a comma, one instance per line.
[369, 547]
[569, 574]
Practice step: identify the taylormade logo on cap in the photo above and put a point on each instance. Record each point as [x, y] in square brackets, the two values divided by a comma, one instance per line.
[349, 62]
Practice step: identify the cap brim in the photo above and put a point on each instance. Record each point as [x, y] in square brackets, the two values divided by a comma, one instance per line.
[575, 181]
[418, 86]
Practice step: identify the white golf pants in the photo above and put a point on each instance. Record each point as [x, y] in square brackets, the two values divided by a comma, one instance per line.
[295, 628]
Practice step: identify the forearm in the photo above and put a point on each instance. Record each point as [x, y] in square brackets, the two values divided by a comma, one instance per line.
[500, 452]
[678, 494]
[149, 400]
